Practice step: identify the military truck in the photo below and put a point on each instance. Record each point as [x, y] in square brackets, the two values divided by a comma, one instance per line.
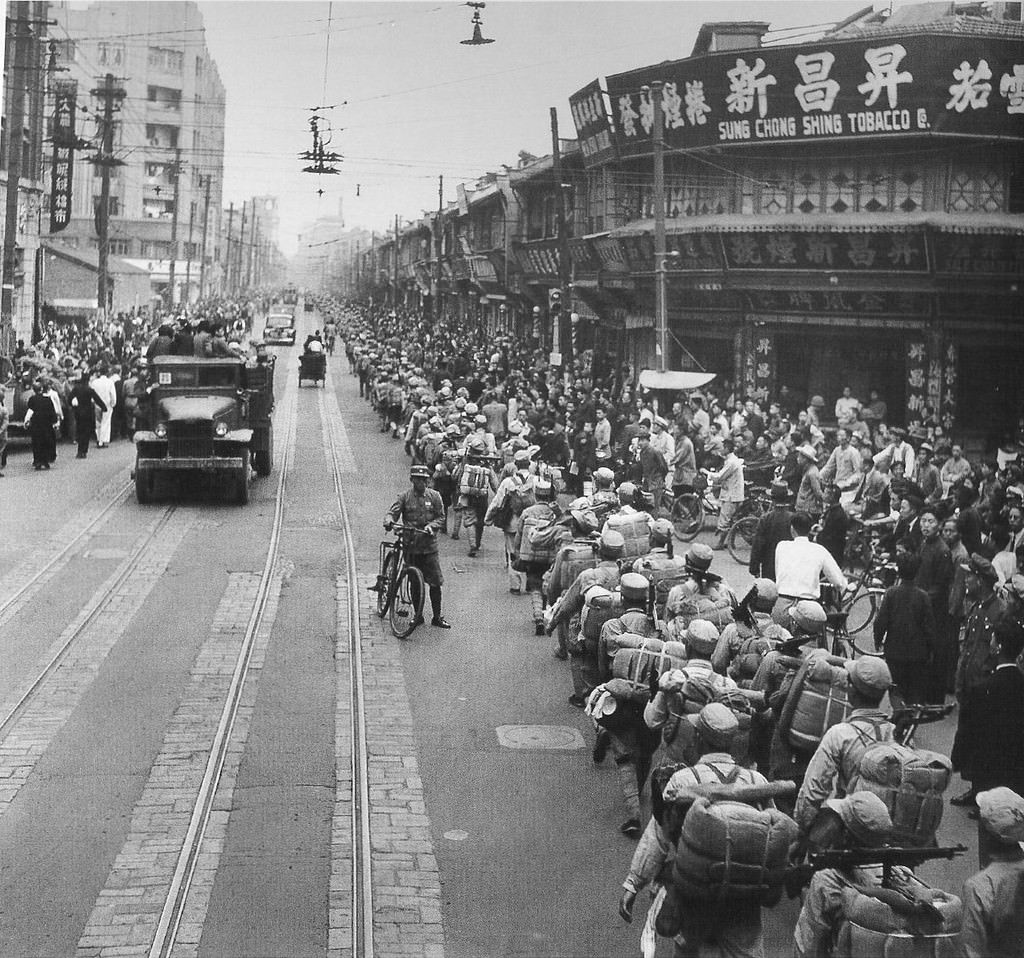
[209, 416]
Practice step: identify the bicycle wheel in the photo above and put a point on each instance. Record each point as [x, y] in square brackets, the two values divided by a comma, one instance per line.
[407, 606]
[741, 538]
[861, 612]
[687, 516]
[385, 584]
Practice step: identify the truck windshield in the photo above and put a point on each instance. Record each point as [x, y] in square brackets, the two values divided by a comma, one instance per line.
[198, 376]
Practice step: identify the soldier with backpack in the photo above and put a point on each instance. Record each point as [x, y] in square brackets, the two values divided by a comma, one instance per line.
[836, 761]
[514, 494]
[530, 558]
[736, 926]
[475, 479]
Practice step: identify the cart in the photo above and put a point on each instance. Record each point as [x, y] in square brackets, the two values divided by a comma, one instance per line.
[313, 366]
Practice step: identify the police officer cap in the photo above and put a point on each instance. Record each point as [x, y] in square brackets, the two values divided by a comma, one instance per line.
[869, 674]
[701, 637]
[445, 391]
[982, 568]
[716, 723]
[1001, 811]
[865, 816]
[612, 544]
[604, 474]
[808, 616]
[626, 490]
[633, 586]
[661, 532]
[767, 594]
[419, 472]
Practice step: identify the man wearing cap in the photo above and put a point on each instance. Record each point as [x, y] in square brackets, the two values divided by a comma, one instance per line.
[772, 528]
[989, 746]
[422, 508]
[606, 575]
[661, 438]
[604, 500]
[472, 505]
[862, 821]
[634, 745]
[737, 929]
[514, 494]
[541, 511]
[801, 564]
[993, 919]
[810, 497]
[977, 655]
[660, 564]
[731, 490]
[836, 760]
[602, 438]
[927, 476]
[751, 635]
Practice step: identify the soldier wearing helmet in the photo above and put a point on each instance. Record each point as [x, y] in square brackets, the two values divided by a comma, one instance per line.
[422, 508]
[475, 479]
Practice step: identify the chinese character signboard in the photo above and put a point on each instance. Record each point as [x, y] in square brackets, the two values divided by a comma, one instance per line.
[891, 252]
[985, 254]
[593, 125]
[916, 358]
[886, 86]
[63, 153]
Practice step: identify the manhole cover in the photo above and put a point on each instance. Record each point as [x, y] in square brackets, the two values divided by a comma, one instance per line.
[105, 554]
[456, 835]
[551, 737]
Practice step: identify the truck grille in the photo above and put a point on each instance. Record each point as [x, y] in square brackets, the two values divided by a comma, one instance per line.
[189, 440]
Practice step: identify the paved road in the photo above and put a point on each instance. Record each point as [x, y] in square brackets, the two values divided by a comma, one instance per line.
[506, 833]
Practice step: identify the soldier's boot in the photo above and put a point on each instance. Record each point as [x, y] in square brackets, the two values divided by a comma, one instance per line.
[537, 606]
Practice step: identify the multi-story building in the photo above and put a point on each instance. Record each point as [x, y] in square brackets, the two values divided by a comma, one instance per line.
[169, 134]
[24, 88]
[847, 211]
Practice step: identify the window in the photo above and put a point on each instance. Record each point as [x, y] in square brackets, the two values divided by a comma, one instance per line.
[109, 54]
[164, 97]
[157, 208]
[155, 250]
[167, 60]
[119, 247]
[161, 135]
[65, 50]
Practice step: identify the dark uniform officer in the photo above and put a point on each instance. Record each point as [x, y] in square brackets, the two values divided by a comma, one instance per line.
[422, 507]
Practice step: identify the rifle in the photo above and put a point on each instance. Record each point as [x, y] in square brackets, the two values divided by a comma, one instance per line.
[886, 857]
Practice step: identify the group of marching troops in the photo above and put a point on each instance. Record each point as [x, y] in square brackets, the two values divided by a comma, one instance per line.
[770, 764]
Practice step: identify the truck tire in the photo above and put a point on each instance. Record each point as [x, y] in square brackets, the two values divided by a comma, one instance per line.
[263, 458]
[144, 483]
[242, 486]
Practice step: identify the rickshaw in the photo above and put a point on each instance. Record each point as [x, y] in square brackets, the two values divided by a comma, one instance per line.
[313, 366]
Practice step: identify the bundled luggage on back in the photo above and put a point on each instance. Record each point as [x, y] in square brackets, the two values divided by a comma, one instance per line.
[635, 529]
[911, 783]
[817, 700]
[600, 605]
[575, 557]
[732, 852]
[872, 929]
[541, 539]
[475, 479]
[639, 664]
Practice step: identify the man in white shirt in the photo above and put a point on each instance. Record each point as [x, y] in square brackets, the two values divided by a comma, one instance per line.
[846, 407]
[843, 467]
[800, 565]
[701, 419]
[729, 480]
[107, 391]
[661, 438]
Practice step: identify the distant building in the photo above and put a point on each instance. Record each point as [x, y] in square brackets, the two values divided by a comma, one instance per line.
[68, 289]
[173, 110]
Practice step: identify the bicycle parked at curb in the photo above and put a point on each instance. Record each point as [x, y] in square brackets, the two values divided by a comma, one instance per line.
[400, 588]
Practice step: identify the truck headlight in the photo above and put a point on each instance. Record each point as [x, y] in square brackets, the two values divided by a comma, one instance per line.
[161, 430]
[221, 429]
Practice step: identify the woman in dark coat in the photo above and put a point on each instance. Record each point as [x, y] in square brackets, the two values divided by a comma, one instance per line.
[40, 420]
[84, 402]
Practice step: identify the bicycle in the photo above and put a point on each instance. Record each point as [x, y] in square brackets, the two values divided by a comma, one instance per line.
[399, 586]
[740, 537]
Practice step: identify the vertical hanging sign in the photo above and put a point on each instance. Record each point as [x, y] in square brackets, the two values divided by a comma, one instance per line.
[63, 153]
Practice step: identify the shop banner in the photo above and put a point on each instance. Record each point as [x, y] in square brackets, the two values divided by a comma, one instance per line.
[985, 254]
[65, 93]
[892, 252]
[882, 87]
[593, 124]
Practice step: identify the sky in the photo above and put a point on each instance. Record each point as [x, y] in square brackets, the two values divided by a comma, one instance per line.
[408, 103]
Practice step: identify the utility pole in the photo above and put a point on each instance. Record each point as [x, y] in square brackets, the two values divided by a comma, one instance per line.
[240, 246]
[108, 93]
[206, 229]
[438, 248]
[563, 248]
[660, 304]
[175, 173]
[188, 252]
[23, 39]
[228, 272]
[250, 280]
[394, 283]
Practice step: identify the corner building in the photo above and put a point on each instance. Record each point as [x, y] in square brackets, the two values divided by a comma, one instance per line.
[843, 212]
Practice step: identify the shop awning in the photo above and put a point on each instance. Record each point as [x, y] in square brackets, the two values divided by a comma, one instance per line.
[674, 379]
[997, 223]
